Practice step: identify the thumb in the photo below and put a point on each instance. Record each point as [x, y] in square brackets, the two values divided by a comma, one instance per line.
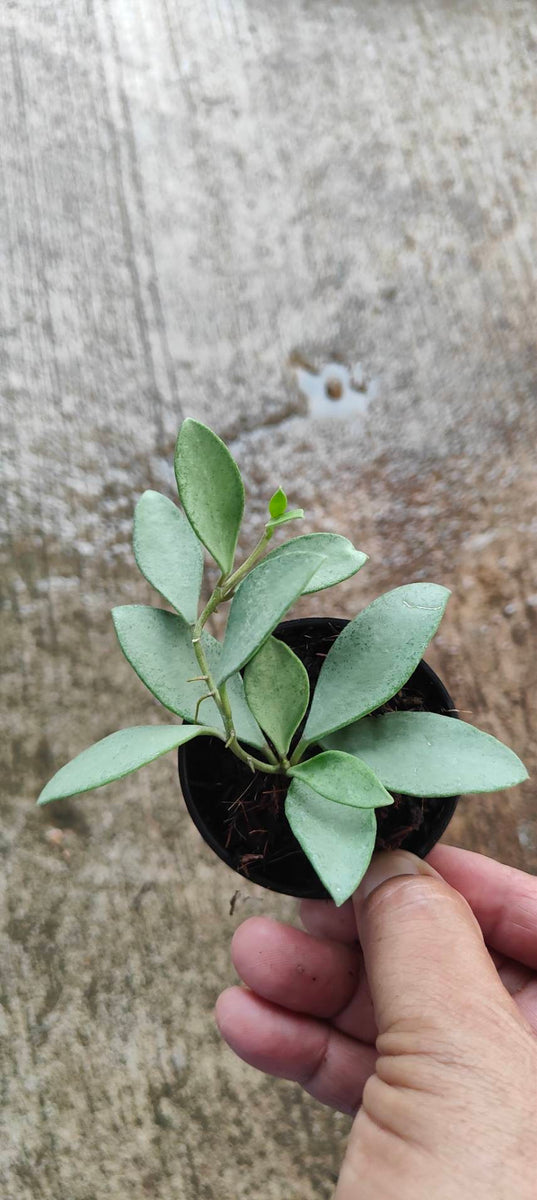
[424, 954]
[451, 1077]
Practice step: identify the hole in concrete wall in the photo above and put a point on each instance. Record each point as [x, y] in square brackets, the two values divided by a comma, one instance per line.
[333, 390]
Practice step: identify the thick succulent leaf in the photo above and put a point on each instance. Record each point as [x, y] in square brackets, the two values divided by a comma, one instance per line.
[291, 514]
[245, 724]
[168, 552]
[426, 754]
[344, 779]
[277, 503]
[374, 656]
[338, 840]
[158, 646]
[277, 690]
[211, 490]
[117, 755]
[259, 604]
[341, 560]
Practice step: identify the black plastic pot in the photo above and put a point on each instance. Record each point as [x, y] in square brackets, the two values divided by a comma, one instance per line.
[241, 816]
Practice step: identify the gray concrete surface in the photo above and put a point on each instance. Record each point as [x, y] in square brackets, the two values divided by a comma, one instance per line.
[202, 205]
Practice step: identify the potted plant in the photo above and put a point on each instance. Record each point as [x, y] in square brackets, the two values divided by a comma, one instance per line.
[303, 744]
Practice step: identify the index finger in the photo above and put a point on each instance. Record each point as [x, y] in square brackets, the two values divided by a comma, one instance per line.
[503, 900]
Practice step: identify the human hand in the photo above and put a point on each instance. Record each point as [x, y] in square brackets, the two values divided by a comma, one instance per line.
[426, 1028]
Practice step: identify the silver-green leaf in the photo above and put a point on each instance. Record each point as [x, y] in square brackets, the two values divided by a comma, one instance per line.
[341, 559]
[168, 552]
[158, 646]
[277, 690]
[117, 755]
[426, 754]
[374, 656]
[344, 779]
[211, 490]
[259, 603]
[338, 840]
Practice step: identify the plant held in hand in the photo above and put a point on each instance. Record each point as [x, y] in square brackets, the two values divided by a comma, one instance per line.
[337, 758]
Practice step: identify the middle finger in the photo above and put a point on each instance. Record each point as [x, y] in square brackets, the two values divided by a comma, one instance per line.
[305, 974]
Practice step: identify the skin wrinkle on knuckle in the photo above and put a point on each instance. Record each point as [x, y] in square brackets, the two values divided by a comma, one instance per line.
[323, 1081]
[414, 1032]
[428, 1121]
[463, 1045]
[307, 1079]
[430, 1075]
[389, 1110]
[490, 1065]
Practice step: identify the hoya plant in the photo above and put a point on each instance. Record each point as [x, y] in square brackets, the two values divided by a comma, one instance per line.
[340, 763]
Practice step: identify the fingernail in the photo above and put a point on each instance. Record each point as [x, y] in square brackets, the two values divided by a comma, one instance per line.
[389, 865]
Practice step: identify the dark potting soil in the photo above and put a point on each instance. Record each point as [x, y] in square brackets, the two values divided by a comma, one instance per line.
[241, 815]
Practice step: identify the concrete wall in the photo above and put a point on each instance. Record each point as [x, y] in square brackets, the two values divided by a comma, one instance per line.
[202, 207]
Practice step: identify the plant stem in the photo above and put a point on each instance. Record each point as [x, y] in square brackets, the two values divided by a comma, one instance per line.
[298, 752]
[220, 696]
[255, 764]
[212, 604]
[231, 582]
[234, 745]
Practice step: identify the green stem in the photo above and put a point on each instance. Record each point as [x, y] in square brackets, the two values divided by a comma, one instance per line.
[220, 696]
[298, 752]
[206, 673]
[212, 604]
[231, 582]
[255, 764]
